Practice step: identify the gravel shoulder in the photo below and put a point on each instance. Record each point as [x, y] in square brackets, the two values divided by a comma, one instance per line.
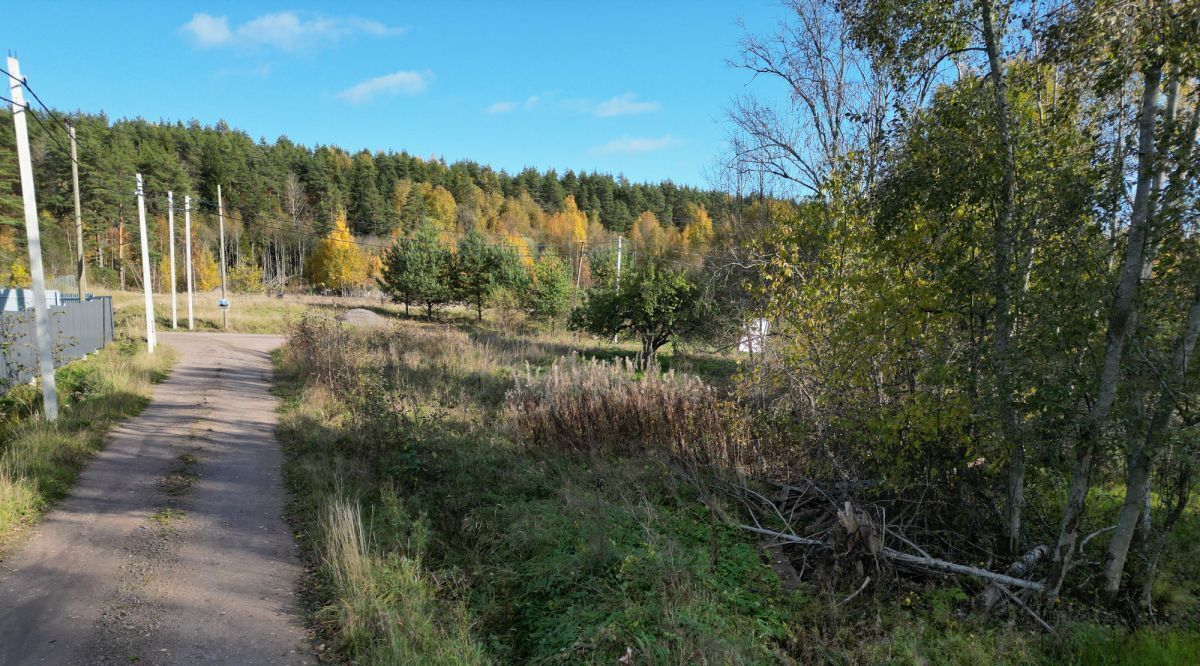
[171, 548]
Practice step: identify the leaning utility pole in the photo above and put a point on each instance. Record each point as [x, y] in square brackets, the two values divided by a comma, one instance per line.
[41, 314]
[187, 253]
[579, 270]
[221, 217]
[171, 235]
[151, 338]
[80, 277]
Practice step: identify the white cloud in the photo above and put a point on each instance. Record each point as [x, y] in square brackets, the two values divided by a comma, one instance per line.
[621, 105]
[396, 83]
[629, 145]
[624, 105]
[285, 31]
[502, 107]
[208, 30]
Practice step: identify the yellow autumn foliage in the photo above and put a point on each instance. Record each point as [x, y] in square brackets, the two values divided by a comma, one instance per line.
[647, 233]
[698, 232]
[337, 263]
[442, 207]
[206, 275]
[568, 228]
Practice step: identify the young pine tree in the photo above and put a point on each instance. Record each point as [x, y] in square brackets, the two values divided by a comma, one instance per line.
[548, 294]
[482, 268]
[417, 270]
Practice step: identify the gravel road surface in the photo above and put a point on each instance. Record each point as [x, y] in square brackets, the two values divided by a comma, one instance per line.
[172, 548]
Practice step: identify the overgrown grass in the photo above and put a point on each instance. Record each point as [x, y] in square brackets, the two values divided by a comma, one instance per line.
[38, 460]
[523, 554]
[453, 518]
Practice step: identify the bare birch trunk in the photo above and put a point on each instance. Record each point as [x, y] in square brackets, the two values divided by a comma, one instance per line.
[1120, 318]
[1141, 458]
[1002, 279]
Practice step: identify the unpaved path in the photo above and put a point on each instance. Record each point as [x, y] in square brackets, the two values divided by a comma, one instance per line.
[172, 548]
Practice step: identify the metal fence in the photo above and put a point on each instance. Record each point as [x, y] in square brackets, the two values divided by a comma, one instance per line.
[78, 327]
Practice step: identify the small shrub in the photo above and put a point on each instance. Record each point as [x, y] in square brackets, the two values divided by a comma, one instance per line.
[318, 347]
[596, 406]
[246, 279]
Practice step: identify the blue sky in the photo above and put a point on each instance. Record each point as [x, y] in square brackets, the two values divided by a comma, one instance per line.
[638, 88]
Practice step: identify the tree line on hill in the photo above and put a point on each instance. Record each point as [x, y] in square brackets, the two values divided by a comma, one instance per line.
[280, 198]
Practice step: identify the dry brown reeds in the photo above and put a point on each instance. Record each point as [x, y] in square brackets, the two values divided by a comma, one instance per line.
[607, 407]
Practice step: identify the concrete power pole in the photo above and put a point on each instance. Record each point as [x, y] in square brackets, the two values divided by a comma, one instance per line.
[221, 217]
[80, 268]
[41, 314]
[187, 253]
[171, 235]
[151, 338]
[620, 245]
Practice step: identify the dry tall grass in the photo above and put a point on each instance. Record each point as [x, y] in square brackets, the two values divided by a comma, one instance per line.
[595, 406]
[387, 608]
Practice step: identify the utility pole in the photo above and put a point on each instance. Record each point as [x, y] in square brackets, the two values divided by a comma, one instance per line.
[151, 338]
[80, 270]
[121, 243]
[619, 248]
[171, 234]
[579, 270]
[41, 314]
[221, 217]
[187, 253]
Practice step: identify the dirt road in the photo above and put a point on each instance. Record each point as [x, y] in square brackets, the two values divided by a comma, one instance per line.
[172, 548]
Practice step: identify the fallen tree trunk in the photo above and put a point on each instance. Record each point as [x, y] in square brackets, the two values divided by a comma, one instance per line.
[919, 561]
[1018, 569]
[951, 567]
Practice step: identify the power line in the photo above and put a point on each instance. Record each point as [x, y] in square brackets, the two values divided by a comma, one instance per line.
[42, 104]
[24, 81]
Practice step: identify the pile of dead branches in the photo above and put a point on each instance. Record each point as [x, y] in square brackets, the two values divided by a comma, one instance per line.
[831, 530]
